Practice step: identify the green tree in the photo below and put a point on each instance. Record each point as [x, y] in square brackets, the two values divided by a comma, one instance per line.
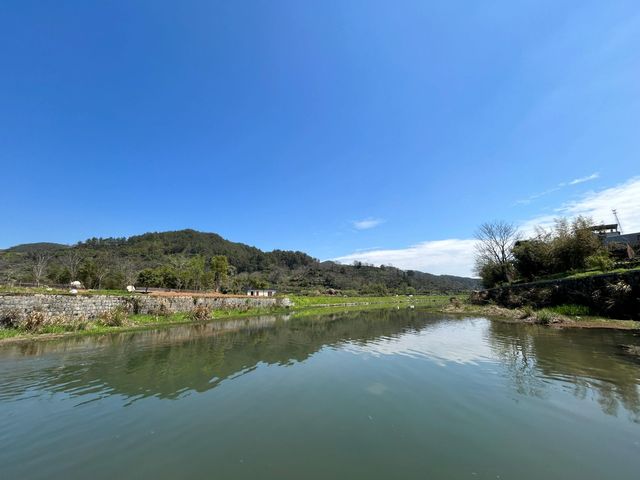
[196, 273]
[532, 258]
[149, 277]
[220, 270]
[88, 273]
[572, 243]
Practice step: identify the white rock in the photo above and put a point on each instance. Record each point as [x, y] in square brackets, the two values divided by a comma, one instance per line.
[73, 291]
[131, 288]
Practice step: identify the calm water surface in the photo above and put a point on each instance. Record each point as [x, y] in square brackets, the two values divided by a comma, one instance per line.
[375, 395]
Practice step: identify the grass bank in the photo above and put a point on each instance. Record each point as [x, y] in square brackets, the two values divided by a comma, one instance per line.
[566, 316]
[333, 301]
[120, 321]
[562, 316]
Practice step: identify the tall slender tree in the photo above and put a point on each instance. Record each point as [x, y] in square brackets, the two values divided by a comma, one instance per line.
[220, 269]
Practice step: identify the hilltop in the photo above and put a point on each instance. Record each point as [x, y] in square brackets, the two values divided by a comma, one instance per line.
[183, 259]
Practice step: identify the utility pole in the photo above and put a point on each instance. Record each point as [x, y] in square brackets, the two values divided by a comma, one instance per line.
[615, 214]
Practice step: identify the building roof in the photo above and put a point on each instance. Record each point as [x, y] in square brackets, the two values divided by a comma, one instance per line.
[608, 226]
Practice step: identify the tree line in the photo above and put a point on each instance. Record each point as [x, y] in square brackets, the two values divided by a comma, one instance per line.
[205, 261]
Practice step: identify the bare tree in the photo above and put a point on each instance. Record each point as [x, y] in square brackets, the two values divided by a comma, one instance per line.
[40, 262]
[129, 271]
[180, 263]
[494, 251]
[71, 260]
[103, 266]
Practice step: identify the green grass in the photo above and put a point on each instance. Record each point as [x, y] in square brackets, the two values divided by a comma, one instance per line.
[570, 310]
[322, 305]
[335, 300]
[9, 333]
[591, 273]
[304, 306]
[578, 274]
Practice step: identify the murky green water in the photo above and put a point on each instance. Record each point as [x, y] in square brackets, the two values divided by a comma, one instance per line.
[375, 395]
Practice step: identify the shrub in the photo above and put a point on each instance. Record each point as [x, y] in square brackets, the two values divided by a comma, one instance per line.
[601, 261]
[134, 304]
[545, 317]
[74, 324]
[10, 319]
[200, 313]
[114, 318]
[527, 312]
[162, 310]
[63, 324]
[33, 321]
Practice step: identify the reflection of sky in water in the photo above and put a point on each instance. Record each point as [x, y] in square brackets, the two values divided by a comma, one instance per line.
[363, 390]
[463, 342]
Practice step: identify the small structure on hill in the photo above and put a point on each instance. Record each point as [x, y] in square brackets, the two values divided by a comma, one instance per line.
[261, 293]
[610, 233]
[606, 230]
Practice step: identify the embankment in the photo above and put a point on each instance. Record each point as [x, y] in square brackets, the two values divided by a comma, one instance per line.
[15, 307]
[614, 295]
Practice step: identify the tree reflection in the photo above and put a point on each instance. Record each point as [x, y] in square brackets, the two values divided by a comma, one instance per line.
[591, 361]
[170, 362]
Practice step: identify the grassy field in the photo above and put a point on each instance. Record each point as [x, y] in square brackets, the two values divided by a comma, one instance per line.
[316, 301]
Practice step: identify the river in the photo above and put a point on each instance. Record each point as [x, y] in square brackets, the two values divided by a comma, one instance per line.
[374, 395]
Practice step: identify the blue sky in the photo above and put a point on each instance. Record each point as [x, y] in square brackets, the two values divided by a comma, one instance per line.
[342, 128]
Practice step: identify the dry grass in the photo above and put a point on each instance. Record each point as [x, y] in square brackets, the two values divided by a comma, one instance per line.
[200, 313]
[117, 317]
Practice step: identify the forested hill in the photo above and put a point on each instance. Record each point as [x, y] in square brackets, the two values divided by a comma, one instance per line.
[191, 259]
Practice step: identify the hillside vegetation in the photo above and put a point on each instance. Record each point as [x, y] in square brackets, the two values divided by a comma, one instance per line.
[569, 249]
[189, 259]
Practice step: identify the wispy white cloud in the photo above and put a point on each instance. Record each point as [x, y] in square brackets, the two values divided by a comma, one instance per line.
[598, 205]
[367, 223]
[455, 256]
[588, 178]
[528, 200]
[575, 181]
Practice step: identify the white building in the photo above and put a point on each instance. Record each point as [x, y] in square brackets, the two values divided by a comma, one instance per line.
[261, 293]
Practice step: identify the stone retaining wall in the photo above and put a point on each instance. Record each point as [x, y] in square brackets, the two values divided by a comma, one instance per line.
[89, 307]
[613, 294]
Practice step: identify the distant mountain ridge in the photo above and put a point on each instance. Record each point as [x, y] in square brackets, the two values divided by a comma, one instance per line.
[34, 247]
[166, 258]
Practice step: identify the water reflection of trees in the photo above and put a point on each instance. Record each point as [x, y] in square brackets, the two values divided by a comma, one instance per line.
[587, 360]
[169, 362]
[514, 348]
